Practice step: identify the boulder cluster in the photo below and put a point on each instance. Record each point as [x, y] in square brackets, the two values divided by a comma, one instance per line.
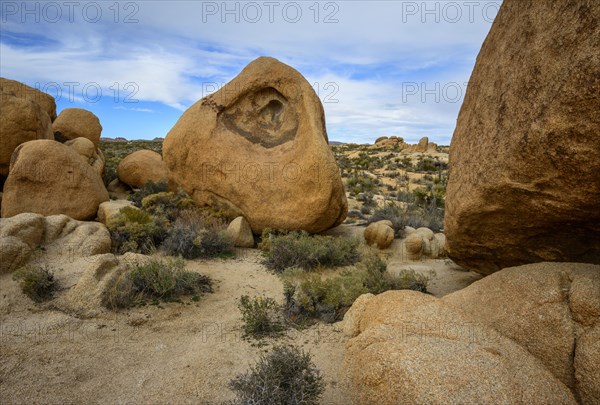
[397, 143]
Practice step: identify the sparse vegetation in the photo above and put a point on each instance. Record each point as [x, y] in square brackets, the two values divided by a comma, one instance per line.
[155, 280]
[197, 235]
[148, 189]
[262, 316]
[286, 375]
[313, 296]
[301, 250]
[37, 282]
[135, 230]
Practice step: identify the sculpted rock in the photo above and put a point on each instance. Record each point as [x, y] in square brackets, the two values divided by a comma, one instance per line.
[141, 167]
[241, 233]
[61, 238]
[587, 365]
[413, 348]
[543, 307]
[379, 233]
[47, 177]
[73, 123]
[25, 115]
[258, 148]
[524, 184]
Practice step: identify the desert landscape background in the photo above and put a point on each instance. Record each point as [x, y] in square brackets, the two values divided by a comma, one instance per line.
[245, 258]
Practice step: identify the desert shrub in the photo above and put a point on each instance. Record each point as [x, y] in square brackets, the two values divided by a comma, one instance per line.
[194, 235]
[365, 210]
[286, 375]
[262, 316]
[155, 280]
[148, 189]
[357, 184]
[168, 204]
[267, 235]
[301, 250]
[311, 296]
[390, 212]
[134, 230]
[36, 282]
[356, 214]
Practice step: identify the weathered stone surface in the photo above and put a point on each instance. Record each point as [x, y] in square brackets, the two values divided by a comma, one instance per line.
[241, 233]
[110, 209]
[547, 312]
[415, 348]
[541, 306]
[24, 116]
[73, 123]
[524, 184]
[60, 237]
[258, 148]
[90, 154]
[379, 233]
[141, 167]
[47, 177]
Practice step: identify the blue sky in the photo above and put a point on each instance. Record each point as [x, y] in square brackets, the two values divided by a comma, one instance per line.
[380, 67]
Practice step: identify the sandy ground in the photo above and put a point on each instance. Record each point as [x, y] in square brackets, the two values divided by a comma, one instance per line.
[171, 354]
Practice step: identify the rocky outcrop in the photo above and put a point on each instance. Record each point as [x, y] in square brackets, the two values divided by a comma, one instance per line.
[258, 148]
[48, 178]
[423, 242]
[524, 184]
[523, 335]
[108, 210]
[25, 115]
[140, 167]
[51, 239]
[73, 123]
[90, 154]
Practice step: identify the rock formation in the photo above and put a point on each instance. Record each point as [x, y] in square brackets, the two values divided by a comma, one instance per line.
[51, 239]
[524, 184]
[258, 149]
[524, 335]
[140, 167]
[241, 233]
[25, 114]
[73, 123]
[48, 178]
[380, 233]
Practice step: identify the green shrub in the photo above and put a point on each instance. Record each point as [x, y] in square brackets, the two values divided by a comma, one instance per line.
[194, 235]
[148, 189]
[311, 296]
[286, 375]
[301, 250]
[357, 184]
[36, 282]
[155, 280]
[134, 230]
[168, 204]
[262, 316]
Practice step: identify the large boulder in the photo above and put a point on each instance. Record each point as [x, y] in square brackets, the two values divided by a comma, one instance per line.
[413, 348]
[73, 123]
[544, 307]
[109, 210]
[25, 115]
[140, 167]
[47, 177]
[52, 239]
[258, 149]
[547, 312]
[524, 184]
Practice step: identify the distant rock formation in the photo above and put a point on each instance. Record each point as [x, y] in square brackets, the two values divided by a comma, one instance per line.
[524, 182]
[397, 143]
[258, 148]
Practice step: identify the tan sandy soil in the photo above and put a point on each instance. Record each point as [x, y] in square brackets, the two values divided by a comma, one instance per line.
[171, 354]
